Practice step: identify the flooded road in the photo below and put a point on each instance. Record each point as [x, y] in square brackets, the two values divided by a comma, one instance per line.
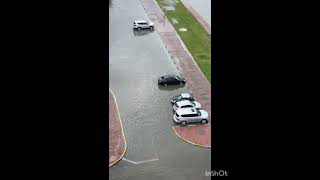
[136, 60]
[203, 7]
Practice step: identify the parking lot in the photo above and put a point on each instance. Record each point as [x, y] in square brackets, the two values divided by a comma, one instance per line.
[136, 60]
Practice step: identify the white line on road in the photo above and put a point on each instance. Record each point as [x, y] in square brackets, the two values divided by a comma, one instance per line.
[140, 162]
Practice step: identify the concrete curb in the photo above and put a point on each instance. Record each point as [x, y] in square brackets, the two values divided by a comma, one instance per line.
[200, 145]
[124, 137]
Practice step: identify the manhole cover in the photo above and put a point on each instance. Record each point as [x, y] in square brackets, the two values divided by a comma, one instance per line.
[183, 29]
[171, 2]
[174, 21]
[169, 8]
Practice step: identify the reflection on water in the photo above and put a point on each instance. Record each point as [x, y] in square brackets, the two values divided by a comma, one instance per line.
[170, 87]
[141, 32]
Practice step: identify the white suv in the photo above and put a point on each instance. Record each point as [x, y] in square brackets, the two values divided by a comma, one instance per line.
[143, 25]
[188, 115]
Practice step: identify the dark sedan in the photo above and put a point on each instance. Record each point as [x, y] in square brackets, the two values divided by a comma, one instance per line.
[171, 79]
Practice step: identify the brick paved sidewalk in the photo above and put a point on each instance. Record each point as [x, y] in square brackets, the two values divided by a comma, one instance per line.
[198, 135]
[189, 69]
[117, 142]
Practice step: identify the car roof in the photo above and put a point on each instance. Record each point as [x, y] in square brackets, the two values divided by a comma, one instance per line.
[187, 111]
[140, 21]
[185, 95]
[184, 102]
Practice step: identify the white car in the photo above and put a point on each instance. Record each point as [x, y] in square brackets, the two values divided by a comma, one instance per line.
[188, 115]
[183, 96]
[143, 25]
[186, 104]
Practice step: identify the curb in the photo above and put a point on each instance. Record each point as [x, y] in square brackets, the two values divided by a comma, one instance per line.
[200, 145]
[124, 137]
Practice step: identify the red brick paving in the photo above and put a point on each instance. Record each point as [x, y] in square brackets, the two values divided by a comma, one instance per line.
[117, 144]
[187, 67]
[200, 135]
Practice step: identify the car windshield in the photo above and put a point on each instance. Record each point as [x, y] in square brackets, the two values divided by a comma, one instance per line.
[179, 97]
[199, 113]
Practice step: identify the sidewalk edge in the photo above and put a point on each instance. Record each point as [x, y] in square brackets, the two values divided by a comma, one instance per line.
[124, 137]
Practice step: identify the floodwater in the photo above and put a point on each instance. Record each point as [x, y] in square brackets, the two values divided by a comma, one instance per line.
[203, 7]
[136, 60]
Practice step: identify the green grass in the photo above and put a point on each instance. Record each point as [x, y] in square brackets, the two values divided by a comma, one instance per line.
[196, 39]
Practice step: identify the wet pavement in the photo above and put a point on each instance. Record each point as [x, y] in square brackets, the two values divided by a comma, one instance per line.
[136, 60]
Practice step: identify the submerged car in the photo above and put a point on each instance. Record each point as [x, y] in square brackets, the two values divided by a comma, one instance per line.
[190, 115]
[186, 104]
[143, 25]
[171, 79]
[181, 97]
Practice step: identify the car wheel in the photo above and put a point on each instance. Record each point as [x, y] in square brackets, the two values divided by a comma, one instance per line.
[184, 122]
[203, 121]
[151, 27]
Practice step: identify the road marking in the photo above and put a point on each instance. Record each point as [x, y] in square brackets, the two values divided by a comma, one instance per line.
[145, 161]
[121, 157]
[140, 162]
